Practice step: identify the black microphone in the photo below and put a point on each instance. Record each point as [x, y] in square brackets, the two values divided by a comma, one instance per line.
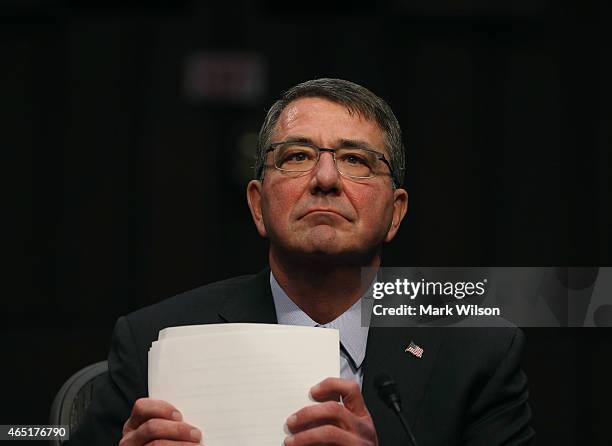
[387, 391]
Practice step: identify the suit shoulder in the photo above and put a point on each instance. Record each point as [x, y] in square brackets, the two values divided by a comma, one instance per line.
[488, 338]
[482, 349]
[197, 306]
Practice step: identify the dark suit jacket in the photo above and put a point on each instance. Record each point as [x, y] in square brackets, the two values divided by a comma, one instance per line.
[467, 388]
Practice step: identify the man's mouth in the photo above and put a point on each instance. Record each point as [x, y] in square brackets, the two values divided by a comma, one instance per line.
[329, 212]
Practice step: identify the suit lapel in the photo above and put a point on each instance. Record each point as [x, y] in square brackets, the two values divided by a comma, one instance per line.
[250, 301]
[385, 353]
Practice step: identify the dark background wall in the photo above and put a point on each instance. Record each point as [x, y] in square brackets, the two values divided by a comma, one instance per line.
[122, 190]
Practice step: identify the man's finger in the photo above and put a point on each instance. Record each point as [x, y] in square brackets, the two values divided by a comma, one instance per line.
[330, 389]
[147, 408]
[159, 429]
[328, 435]
[329, 412]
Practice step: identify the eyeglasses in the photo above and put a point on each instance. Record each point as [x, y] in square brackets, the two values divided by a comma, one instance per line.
[353, 162]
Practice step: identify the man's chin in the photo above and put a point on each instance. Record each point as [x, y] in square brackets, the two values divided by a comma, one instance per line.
[325, 244]
[328, 240]
[326, 237]
[329, 245]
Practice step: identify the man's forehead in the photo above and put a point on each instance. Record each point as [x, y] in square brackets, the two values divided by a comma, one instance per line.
[311, 107]
[316, 117]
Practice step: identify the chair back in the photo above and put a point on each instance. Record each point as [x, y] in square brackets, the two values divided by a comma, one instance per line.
[72, 399]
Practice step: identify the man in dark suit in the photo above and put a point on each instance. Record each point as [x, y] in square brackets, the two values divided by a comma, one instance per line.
[327, 196]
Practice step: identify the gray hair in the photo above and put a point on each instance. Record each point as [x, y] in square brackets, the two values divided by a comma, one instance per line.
[356, 99]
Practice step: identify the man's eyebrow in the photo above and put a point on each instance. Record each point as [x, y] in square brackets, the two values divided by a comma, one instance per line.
[352, 143]
[342, 143]
[298, 138]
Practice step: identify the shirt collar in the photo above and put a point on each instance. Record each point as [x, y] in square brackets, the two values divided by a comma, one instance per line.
[353, 336]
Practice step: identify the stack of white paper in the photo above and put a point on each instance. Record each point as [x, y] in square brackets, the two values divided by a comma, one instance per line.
[238, 383]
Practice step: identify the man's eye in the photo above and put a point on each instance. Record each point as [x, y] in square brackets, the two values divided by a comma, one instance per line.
[354, 159]
[295, 157]
[298, 156]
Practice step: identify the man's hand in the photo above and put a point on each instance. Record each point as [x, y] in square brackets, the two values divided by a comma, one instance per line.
[330, 422]
[156, 422]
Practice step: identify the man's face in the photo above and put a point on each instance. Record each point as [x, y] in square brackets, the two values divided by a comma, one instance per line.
[322, 212]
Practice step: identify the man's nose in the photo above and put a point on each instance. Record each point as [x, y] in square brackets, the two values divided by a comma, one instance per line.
[325, 176]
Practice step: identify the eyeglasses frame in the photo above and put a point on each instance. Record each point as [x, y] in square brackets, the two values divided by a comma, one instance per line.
[379, 156]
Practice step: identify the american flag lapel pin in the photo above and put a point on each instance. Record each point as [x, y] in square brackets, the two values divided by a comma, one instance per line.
[414, 349]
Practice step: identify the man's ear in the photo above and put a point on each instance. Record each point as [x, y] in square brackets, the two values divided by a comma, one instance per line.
[400, 207]
[254, 199]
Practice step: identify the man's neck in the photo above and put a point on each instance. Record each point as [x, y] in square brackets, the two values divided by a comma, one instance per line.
[323, 290]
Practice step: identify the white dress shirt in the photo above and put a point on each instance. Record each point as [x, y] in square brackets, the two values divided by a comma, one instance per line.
[353, 337]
